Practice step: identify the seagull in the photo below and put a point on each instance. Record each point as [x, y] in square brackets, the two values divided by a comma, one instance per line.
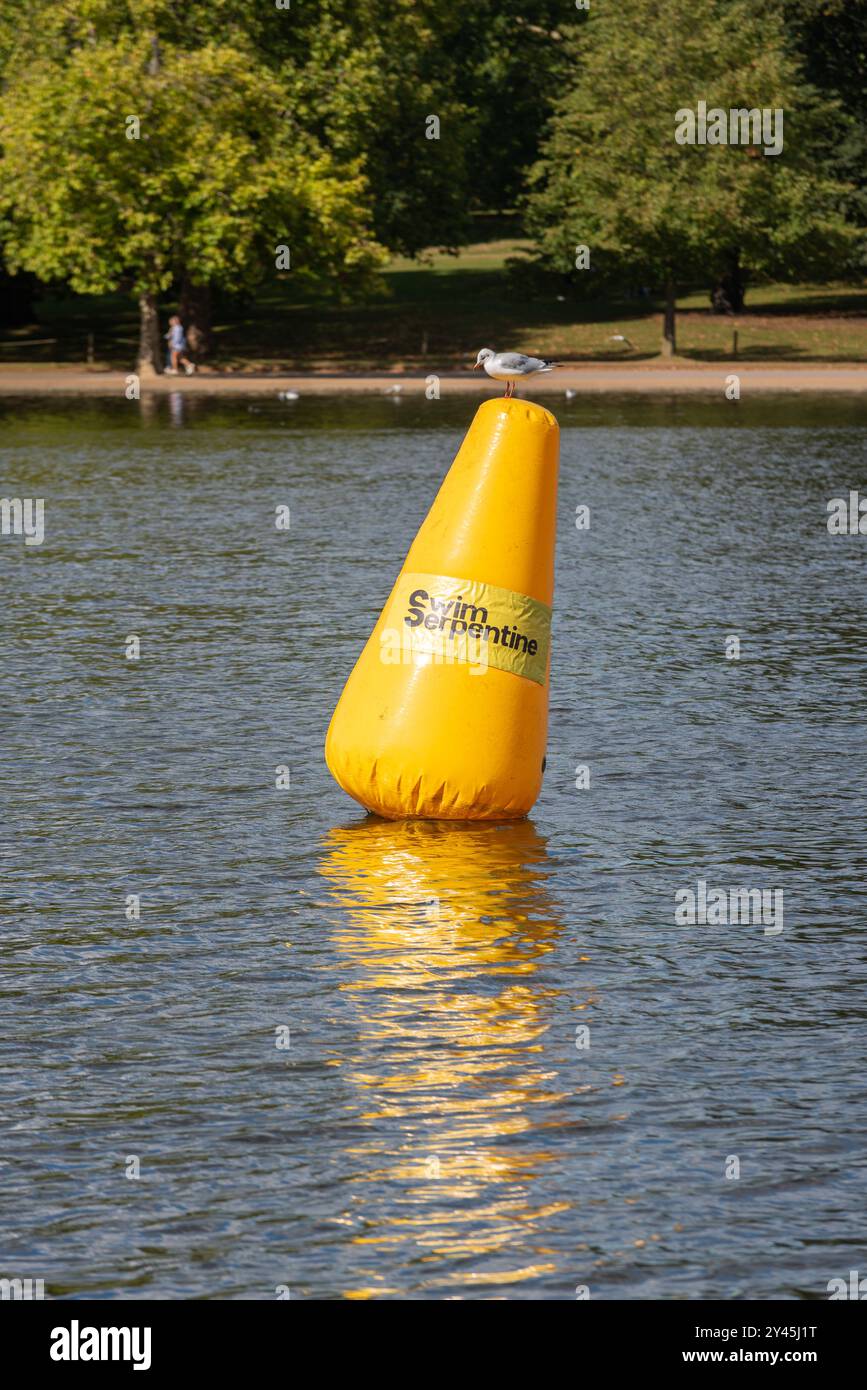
[287, 396]
[570, 395]
[511, 366]
[393, 390]
[619, 338]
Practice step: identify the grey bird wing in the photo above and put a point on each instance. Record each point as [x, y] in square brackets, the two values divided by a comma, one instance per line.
[517, 362]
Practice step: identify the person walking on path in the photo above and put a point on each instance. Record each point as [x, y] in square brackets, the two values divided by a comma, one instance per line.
[177, 341]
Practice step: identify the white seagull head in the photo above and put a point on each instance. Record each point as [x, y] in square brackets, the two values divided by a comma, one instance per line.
[485, 354]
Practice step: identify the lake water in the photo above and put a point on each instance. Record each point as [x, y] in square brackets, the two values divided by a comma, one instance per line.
[431, 1129]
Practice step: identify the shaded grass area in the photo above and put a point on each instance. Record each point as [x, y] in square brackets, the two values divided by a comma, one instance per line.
[433, 315]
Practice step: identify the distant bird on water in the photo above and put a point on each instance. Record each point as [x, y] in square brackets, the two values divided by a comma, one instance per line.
[511, 366]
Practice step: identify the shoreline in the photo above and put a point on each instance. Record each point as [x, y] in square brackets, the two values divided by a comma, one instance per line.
[597, 379]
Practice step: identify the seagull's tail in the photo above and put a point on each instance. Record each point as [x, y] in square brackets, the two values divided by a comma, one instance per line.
[549, 366]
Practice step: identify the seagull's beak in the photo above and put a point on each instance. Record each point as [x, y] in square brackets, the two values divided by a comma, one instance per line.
[476, 366]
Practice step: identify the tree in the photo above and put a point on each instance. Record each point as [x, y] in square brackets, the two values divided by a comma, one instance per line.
[130, 162]
[373, 72]
[613, 176]
[831, 40]
[494, 65]
[362, 82]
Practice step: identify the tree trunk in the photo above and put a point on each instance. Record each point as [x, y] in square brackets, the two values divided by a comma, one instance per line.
[738, 291]
[149, 347]
[196, 311]
[669, 346]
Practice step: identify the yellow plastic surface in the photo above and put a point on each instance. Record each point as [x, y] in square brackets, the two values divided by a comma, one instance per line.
[456, 739]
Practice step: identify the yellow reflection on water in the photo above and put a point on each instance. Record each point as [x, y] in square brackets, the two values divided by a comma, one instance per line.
[441, 932]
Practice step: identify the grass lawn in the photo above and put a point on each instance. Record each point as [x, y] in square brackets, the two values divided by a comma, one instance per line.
[435, 314]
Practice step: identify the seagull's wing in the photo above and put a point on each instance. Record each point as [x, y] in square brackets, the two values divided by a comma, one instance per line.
[517, 362]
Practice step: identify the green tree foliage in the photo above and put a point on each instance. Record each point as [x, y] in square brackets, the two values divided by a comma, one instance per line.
[500, 59]
[377, 69]
[381, 123]
[613, 177]
[364, 79]
[831, 38]
[369, 79]
[220, 174]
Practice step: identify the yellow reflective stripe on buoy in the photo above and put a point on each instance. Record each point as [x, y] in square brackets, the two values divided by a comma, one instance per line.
[466, 620]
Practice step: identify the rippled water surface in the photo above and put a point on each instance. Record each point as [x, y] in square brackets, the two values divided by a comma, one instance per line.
[431, 1130]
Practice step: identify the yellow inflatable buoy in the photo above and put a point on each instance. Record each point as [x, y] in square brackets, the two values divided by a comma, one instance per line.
[445, 715]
